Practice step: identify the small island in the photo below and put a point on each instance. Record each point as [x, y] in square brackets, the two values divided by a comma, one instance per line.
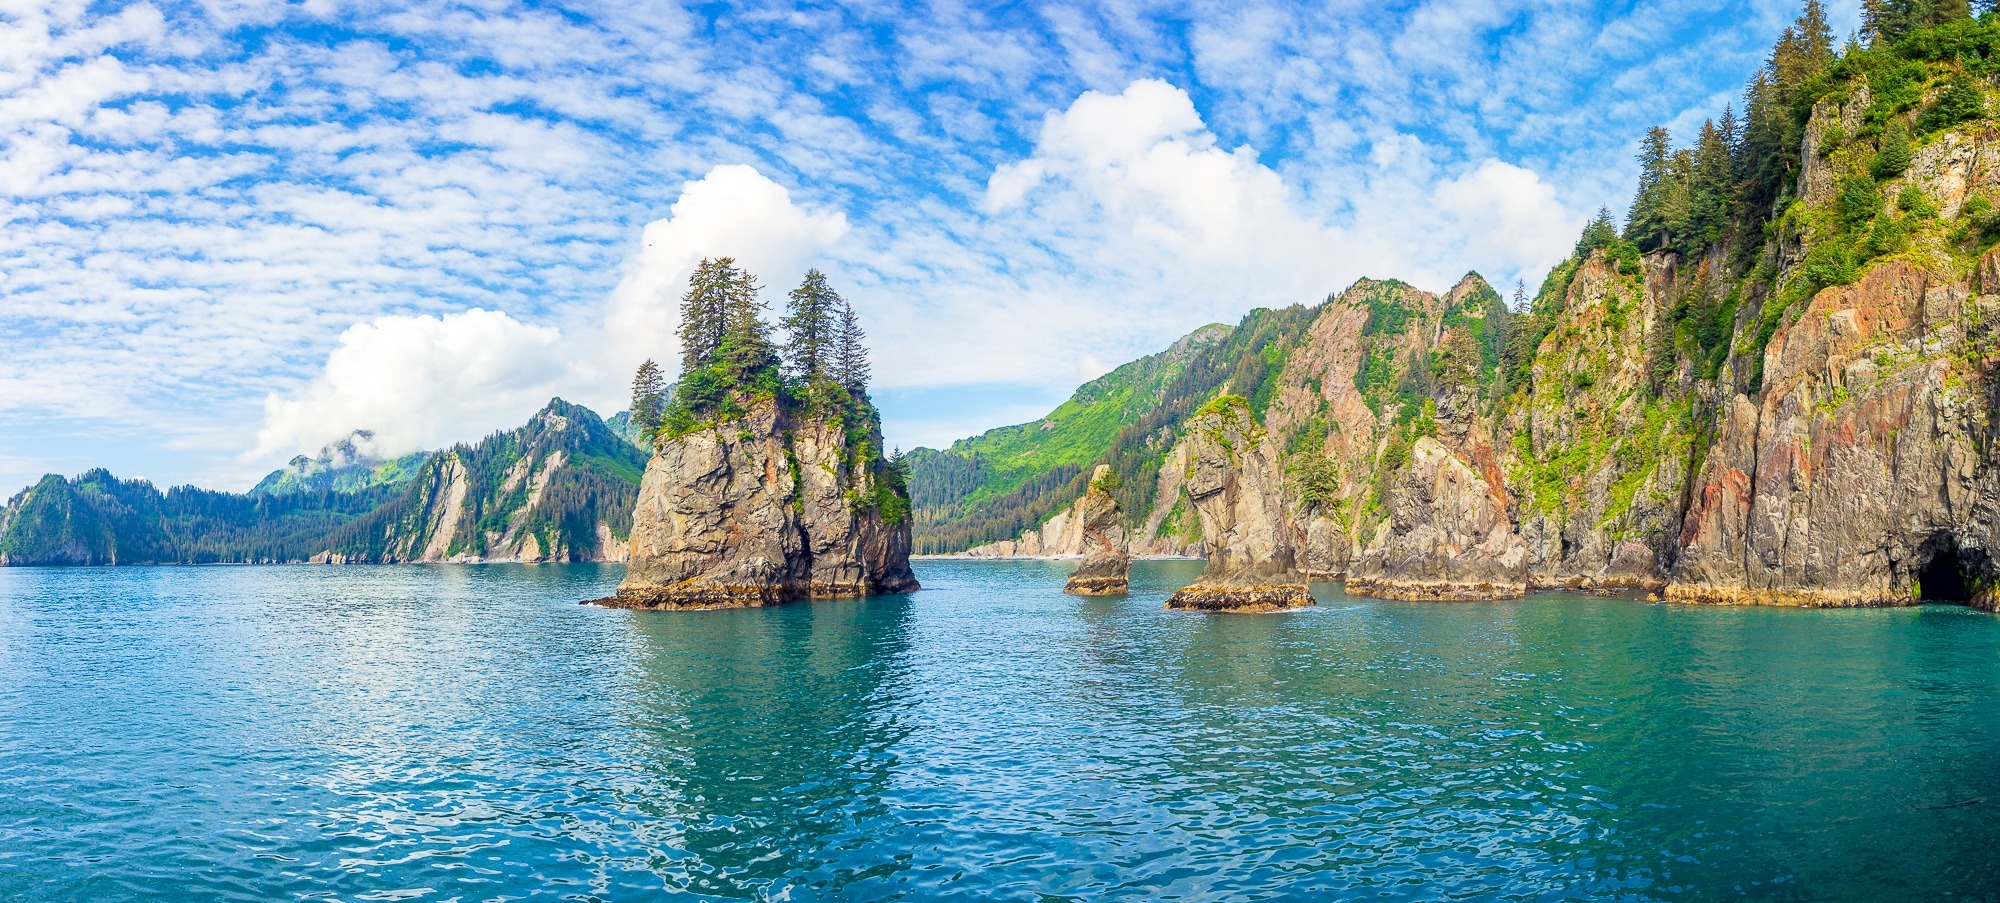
[767, 482]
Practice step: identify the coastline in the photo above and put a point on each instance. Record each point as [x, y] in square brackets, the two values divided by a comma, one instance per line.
[961, 556]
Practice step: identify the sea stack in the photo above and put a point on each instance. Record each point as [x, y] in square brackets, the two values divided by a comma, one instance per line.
[763, 510]
[1236, 488]
[1107, 555]
[762, 488]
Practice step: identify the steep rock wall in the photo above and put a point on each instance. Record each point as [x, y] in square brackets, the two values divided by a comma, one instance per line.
[760, 511]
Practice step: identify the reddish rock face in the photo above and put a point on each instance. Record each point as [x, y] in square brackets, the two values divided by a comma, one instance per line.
[760, 511]
[1868, 461]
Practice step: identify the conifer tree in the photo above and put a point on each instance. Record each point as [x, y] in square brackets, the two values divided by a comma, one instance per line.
[702, 313]
[812, 322]
[1889, 21]
[746, 349]
[1960, 101]
[649, 398]
[1646, 224]
[1600, 232]
[851, 354]
[1894, 157]
[1713, 188]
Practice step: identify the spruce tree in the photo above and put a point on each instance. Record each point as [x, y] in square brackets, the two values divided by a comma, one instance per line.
[1960, 101]
[1889, 21]
[1600, 232]
[746, 350]
[1894, 157]
[1646, 224]
[812, 323]
[702, 313]
[649, 398]
[1713, 188]
[851, 356]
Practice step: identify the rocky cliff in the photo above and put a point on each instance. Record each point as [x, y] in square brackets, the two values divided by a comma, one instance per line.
[769, 507]
[1233, 483]
[1107, 555]
[1795, 409]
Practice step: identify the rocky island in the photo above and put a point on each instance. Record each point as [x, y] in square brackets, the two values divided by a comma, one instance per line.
[767, 482]
[1107, 555]
[1230, 481]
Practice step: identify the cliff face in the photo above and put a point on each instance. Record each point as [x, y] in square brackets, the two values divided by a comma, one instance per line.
[1236, 488]
[1107, 555]
[770, 508]
[1866, 473]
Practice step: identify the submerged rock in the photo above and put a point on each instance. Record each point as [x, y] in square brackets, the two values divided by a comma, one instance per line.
[762, 510]
[1107, 556]
[1237, 488]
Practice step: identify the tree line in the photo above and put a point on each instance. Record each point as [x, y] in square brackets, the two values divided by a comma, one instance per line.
[728, 350]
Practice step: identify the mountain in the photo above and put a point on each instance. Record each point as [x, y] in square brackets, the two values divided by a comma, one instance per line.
[559, 488]
[1777, 385]
[348, 465]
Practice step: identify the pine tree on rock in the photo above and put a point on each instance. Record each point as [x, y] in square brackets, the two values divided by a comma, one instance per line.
[1889, 21]
[746, 351]
[812, 325]
[649, 398]
[1894, 157]
[702, 313]
[852, 355]
[1646, 224]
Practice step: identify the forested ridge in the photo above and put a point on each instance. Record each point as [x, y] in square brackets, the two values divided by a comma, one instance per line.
[97, 519]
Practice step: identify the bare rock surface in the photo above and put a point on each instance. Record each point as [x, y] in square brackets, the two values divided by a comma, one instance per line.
[1107, 554]
[761, 511]
[1237, 488]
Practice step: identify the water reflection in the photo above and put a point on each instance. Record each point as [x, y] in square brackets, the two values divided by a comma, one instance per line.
[775, 727]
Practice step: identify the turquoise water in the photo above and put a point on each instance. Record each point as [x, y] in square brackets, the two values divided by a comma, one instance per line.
[470, 733]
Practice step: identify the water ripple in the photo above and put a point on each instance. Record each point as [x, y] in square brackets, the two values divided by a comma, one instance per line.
[469, 733]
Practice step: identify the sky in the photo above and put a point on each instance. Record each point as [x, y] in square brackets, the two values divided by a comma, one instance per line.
[231, 232]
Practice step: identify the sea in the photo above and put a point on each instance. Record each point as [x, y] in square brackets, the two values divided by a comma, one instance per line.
[470, 732]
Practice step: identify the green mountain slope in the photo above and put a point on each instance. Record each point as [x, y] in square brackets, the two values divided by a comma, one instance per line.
[992, 486]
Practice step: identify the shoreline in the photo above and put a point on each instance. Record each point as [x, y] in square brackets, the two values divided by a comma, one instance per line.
[961, 556]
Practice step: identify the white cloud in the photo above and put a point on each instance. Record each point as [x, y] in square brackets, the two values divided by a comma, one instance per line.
[427, 381]
[733, 211]
[421, 382]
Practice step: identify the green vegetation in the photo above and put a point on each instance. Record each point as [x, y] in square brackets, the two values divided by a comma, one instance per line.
[992, 486]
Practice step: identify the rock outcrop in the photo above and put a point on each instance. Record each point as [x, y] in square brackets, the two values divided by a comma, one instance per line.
[1865, 475]
[1237, 489]
[1448, 536]
[1107, 555]
[762, 510]
[1805, 411]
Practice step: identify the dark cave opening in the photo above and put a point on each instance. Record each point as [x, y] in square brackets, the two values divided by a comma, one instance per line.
[1941, 579]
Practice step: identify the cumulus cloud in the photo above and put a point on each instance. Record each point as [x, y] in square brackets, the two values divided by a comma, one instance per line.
[733, 211]
[421, 382]
[428, 381]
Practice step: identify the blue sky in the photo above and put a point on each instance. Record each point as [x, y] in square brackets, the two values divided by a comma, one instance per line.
[235, 231]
